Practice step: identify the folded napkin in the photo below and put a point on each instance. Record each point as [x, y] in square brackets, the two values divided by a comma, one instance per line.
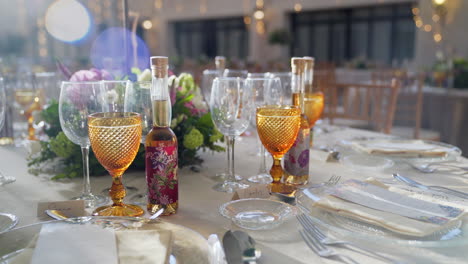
[378, 206]
[400, 148]
[144, 246]
[67, 243]
[425, 195]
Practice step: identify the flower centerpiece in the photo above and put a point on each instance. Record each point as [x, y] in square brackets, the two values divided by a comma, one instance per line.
[191, 123]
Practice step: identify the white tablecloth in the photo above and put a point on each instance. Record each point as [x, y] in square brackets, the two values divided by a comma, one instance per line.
[198, 202]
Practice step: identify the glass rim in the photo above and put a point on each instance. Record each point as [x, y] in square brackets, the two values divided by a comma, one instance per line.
[262, 78]
[81, 82]
[125, 115]
[219, 78]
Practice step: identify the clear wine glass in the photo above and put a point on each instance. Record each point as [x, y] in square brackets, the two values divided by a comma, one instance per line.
[115, 136]
[7, 221]
[139, 101]
[265, 91]
[230, 105]
[207, 83]
[78, 100]
[285, 78]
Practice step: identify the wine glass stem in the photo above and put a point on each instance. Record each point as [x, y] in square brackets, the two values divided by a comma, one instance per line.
[31, 132]
[262, 159]
[276, 171]
[86, 183]
[117, 191]
[230, 150]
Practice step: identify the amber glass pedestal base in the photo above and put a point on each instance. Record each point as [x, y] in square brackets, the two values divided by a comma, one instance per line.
[283, 189]
[119, 210]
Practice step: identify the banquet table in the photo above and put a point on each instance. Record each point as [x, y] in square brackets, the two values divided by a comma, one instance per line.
[199, 204]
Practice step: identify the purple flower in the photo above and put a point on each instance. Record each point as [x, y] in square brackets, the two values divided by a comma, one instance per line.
[303, 158]
[91, 75]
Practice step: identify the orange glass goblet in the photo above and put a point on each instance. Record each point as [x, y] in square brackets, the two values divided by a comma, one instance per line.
[313, 108]
[115, 139]
[277, 128]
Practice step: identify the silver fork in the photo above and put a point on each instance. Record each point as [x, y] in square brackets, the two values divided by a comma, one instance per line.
[322, 250]
[308, 226]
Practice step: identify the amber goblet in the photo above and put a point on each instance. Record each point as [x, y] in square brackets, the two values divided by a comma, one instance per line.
[277, 127]
[115, 139]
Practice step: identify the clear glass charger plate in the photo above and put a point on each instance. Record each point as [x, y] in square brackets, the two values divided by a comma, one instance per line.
[452, 152]
[188, 246]
[346, 228]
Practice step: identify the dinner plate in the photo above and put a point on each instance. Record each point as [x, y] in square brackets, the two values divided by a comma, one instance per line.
[188, 247]
[396, 147]
[454, 235]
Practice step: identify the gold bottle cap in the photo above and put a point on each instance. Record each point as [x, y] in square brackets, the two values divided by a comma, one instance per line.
[220, 62]
[159, 66]
[309, 63]
[297, 65]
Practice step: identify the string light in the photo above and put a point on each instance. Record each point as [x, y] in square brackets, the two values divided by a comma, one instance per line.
[259, 14]
[439, 2]
[158, 4]
[247, 20]
[297, 7]
[437, 37]
[427, 28]
[435, 18]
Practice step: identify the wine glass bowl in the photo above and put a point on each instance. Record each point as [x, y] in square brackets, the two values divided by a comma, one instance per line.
[115, 138]
[277, 127]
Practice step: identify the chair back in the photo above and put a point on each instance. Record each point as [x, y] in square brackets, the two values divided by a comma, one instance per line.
[374, 103]
[409, 106]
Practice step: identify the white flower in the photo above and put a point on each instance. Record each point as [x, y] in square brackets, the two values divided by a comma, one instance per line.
[111, 97]
[145, 76]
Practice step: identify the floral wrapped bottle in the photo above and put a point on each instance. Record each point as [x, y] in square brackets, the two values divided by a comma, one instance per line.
[161, 145]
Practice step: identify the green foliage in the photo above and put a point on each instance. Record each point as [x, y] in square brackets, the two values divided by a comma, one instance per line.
[461, 73]
[192, 125]
[279, 37]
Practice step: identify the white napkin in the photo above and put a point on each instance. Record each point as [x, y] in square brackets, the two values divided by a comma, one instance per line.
[400, 148]
[382, 210]
[216, 250]
[144, 246]
[66, 243]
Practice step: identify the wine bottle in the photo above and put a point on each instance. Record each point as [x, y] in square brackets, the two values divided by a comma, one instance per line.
[296, 161]
[161, 145]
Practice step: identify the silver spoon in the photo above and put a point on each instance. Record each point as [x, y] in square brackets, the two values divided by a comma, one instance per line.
[416, 184]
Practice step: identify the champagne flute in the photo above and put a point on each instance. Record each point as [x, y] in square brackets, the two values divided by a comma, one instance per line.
[230, 110]
[7, 221]
[278, 126]
[78, 100]
[115, 138]
[285, 78]
[265, 91]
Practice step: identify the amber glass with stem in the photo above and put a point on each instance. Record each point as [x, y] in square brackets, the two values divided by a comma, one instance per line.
[115, 139]
[278, 126]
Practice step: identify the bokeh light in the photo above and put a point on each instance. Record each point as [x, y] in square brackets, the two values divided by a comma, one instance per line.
[147, 24]
[108, 51]
[67, 20]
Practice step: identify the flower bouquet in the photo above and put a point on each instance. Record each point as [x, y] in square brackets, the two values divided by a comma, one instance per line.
[191, 123]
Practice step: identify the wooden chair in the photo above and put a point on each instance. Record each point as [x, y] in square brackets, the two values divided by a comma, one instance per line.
[371, 105]
[408, 111]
